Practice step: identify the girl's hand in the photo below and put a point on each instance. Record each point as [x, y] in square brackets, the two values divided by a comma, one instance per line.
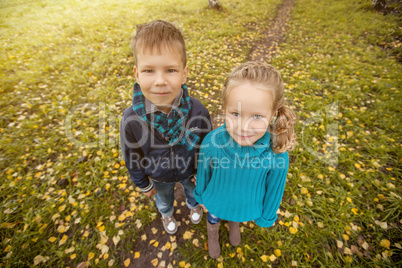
[194, 179]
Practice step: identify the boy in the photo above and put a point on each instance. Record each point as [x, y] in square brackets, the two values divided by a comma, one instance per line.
[161, 132]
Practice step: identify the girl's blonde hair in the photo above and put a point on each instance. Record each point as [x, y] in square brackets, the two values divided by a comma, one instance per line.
[284, 137]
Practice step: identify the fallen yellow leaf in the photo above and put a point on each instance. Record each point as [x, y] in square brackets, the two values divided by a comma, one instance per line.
[174, 246]
[385, 243]
[292, 230]
[86, 233]
[91, 255]
[277, 252]
[357, 165]
[63, 240]
[62, 228]
[264, 258]
[38, 259]
[69, 250]
[154, 262]
[116, 239]
[187, 235]
[127, 262]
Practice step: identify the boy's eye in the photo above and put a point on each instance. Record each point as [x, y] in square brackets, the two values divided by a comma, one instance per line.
[147, 71]
[235, 114]
[171, 70]
[257, 116]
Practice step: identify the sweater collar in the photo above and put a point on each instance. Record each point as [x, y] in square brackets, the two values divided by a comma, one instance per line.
[235, 151]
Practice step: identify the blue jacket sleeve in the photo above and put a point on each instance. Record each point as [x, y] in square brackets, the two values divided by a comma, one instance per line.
[203, 176]
[132, 156]
[206, 127]
[275, 186]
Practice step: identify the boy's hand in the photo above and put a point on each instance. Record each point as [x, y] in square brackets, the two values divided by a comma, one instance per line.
[150, 193]
[194, 179]
[204, 208]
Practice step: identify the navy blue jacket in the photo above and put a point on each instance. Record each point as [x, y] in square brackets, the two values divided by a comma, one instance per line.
[149, 156]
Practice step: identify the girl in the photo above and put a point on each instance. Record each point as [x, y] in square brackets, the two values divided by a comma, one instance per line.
[242, 165]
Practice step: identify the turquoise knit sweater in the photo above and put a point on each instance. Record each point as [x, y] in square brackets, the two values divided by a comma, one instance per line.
[240, 183]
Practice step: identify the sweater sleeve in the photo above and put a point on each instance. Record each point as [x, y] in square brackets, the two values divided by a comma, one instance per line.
[275, 186]
[133, 155]
[203, 176]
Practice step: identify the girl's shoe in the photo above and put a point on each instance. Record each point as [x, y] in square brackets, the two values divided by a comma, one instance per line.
[234, 233]
[213, 240]
[170, 224]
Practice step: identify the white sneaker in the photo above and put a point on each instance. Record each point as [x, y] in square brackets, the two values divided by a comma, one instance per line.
[170, 224]
[196, 214]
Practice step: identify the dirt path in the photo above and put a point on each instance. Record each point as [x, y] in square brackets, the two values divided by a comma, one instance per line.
[267, 48]
[263, 50]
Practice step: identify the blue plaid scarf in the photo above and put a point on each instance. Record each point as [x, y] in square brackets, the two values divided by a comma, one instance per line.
[171, 126]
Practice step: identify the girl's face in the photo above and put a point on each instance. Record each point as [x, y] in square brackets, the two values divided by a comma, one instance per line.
[248, 112]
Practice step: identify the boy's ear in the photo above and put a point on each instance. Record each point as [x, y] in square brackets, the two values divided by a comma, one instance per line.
[185, 73]
[135, 72]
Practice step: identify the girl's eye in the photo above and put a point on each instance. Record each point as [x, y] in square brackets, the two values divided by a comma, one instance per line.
[147, 71]
[257, 116]
[171, 70]
[236, 114]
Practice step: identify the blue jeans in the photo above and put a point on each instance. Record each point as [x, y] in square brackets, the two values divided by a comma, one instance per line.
[164, 197]
[212, 219]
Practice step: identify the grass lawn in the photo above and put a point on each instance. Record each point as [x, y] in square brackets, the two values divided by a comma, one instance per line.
[66, 73]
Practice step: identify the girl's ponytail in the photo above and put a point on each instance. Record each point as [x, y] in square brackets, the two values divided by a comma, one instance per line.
[284, 136]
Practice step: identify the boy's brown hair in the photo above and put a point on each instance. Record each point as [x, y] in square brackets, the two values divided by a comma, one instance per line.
[155, 35]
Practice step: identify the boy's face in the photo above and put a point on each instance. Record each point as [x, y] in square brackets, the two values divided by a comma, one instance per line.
[248, 113]
[160, 75]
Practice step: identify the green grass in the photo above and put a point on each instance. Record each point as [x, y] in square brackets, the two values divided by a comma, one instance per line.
[66, 73]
